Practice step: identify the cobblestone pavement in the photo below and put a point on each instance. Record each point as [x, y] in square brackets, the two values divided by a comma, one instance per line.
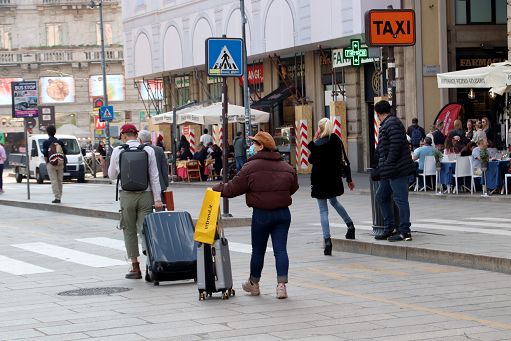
[343, 297]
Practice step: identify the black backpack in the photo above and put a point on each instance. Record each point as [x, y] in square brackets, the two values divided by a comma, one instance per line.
[133, 169]
[416, 136]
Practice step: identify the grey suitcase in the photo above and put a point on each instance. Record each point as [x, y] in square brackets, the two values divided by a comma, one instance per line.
[214, 268]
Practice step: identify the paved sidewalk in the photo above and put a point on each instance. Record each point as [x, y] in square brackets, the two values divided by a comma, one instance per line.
[474, 233]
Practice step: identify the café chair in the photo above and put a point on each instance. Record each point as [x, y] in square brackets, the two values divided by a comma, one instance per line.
[429, 170]
[506, 176]
[193, 170]
[464, 168]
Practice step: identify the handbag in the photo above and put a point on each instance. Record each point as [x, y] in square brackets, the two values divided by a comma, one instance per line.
[205, 229]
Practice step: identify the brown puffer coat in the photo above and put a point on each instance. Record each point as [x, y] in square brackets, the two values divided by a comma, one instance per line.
[267, 181]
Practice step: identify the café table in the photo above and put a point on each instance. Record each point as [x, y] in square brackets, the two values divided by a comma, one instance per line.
[495, 174]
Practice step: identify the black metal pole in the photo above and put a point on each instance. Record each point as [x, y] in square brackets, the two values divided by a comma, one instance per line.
[103, 71]
[225, 152]
[27, 158]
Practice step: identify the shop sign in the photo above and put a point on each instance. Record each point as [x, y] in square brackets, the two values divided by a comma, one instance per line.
[469, 63]
[338, 59]
[46, 116]
[356, 53]
[182, 82]
[430, 70]
[11, 125]
[390, 27]
[255, 75]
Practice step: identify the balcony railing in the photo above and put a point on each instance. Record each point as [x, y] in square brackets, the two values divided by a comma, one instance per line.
[57, 55]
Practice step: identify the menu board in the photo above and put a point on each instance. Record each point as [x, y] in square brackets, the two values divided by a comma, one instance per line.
[57, 89]
[114, 87]
[5, 90]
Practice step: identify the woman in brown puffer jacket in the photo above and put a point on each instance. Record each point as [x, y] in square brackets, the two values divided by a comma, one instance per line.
[268, 183]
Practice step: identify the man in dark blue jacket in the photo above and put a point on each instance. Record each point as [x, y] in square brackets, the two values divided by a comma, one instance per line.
[394, 165]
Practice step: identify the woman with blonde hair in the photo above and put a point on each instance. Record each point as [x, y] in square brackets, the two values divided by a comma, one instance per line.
[329, 165]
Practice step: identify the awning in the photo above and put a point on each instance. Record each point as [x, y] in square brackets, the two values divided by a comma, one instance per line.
[273, 98]
[167, 117]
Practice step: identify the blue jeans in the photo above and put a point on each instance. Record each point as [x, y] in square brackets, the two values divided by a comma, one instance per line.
[399, 189]
[265, 223]
[323, 214]
[240, 161]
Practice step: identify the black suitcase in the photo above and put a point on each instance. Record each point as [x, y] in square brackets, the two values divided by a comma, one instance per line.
[171, 250]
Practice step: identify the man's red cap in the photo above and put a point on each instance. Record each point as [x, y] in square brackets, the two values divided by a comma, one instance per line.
[128, 128]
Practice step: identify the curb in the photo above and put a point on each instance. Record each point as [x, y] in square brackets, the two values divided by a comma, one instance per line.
[473, 197]
[465, 260]
[85, 212]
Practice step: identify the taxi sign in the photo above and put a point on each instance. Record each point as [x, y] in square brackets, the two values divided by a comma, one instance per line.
[390, 27]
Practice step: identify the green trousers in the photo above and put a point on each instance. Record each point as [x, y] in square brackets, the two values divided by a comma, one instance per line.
[134, 207]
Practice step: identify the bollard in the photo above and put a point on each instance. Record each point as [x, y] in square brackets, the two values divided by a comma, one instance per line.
[168, 198]
[377, 216]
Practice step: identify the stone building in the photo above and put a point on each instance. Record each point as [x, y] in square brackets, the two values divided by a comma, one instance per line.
[57, 43]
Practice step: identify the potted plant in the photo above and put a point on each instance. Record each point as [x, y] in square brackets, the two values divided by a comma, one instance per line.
[484, 157]
[438, 158]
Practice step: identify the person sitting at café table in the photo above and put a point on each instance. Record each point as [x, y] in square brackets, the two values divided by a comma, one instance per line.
[201, 155]
[469, 134]
[438, 136]
[452, 145]
[467, 150]
[457, 130]
[421, 153]
[476, 153]
[479, 133]
[185, 154]
[216, 155]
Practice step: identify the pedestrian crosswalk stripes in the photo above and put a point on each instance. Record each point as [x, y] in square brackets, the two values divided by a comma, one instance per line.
[70, 255]
[106, 242]
[17, 267]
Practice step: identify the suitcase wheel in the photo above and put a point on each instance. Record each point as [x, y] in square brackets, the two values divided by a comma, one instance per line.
[233, 293]
[156, 283]
[202, 296]
[225, 295]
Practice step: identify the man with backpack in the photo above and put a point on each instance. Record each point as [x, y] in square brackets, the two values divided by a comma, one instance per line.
[54, 152]
[416, 133]
[134, 166]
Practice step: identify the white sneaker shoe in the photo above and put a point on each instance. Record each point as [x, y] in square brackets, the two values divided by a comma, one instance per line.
[281, 291]
[252, 288]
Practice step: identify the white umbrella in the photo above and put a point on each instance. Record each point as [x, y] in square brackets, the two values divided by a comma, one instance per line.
[167, 117]
[212, 114]
[497, 76]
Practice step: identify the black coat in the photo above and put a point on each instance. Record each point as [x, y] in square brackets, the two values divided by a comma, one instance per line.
[325, 157]
[393, 155]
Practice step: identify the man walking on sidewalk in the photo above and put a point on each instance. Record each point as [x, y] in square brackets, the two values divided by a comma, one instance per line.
[240, 150]
[394, 164]
[135, 204]
[54, 152]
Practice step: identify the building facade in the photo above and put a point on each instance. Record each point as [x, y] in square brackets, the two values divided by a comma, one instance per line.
[57, 44]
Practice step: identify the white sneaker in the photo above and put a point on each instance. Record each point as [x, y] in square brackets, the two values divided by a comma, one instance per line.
[281, 291]
[252, 288]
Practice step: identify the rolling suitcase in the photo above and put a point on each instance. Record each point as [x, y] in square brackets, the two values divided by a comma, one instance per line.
[214, 268]
[171, 250]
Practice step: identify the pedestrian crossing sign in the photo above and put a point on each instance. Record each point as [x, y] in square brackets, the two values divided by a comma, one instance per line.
[224, 57]
[106, 113]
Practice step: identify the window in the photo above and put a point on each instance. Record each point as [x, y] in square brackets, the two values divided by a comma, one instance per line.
[5, 38]
[473, 12]
[215, 88]
[183, 89]
[54, 34]
[108, 35]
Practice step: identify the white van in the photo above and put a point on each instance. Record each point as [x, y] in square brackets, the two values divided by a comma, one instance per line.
[75, 167]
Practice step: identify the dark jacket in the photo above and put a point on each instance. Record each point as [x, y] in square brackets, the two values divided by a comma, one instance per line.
[163, 166]
[438, 137]
[325, 157]
[48, 142]
[267, 181]
[393, 155]
[240, 146]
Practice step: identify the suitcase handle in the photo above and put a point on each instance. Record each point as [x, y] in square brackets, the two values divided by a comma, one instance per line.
[164, 208]
[220, 226]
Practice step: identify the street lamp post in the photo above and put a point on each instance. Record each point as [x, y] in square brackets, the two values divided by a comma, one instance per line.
[94, 4]
[246, 89]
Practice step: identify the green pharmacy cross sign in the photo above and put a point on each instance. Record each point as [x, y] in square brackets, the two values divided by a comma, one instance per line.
[356, 53]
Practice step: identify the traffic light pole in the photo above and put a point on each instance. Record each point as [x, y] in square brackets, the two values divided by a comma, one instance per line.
[103, 70]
